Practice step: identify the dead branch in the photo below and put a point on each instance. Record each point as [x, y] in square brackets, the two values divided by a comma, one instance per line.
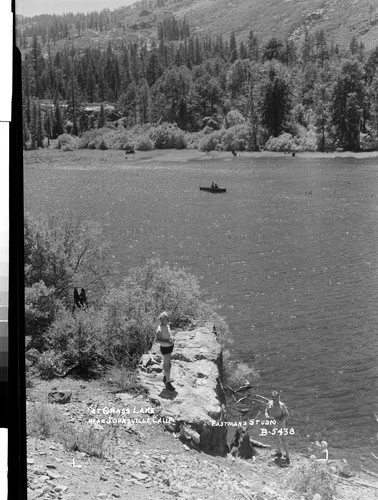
[238, 401]
[258, 444]
[258, 397]
[369, 471]
[362, 483]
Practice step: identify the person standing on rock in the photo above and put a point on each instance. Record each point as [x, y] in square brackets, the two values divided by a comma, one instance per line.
[277, 411]
[166, 341]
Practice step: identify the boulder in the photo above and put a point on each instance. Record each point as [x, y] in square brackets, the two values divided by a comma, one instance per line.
[59, 397]
[198, 399]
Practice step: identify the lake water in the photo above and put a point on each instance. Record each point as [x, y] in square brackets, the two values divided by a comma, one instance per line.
[290, 251]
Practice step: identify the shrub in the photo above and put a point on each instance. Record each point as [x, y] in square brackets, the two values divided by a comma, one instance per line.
[368, 142]
[152, 288]
[50, 364]
[45, 421]
[280, 143]
[233, 118]
[102, 145]
[59, 252]
[211, 141]
[144, 144]
[287, 142]
[235, 138]
[41, 308]
[315, 478]
[124, 380]
[168, 136]
[77, 341]
[236, 374]
[42, 420]
[93, 442]
[67, 142]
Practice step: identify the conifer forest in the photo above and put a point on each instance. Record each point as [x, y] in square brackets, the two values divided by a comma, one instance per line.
[213, 92]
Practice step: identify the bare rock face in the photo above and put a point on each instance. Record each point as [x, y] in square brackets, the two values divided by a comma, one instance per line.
[198, 398]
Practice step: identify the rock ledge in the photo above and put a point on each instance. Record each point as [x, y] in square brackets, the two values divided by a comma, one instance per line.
[198, 399]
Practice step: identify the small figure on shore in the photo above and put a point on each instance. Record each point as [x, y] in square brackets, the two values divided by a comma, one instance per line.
[234, 153]
[276, 410]
[241, 445]
[166, 340]
[212, 185]
[323, 450]
[80, 299]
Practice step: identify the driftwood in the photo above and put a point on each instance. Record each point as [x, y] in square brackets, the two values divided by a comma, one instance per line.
[374, 455]
[369, 471]
[238, 401]
[242, 388]
[258, 444]
[362, 483]
[259, 398]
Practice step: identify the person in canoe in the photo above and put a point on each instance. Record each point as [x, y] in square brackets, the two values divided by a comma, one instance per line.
[212, 185]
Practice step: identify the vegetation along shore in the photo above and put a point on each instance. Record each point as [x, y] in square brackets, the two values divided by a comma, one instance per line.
[155, 81]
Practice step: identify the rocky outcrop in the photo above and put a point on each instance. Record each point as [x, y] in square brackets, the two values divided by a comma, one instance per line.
[198, 399]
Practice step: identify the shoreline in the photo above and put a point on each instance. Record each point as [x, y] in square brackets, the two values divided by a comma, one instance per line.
[183, 155]
[145, 461]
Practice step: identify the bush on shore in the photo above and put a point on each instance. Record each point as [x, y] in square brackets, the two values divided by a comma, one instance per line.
[121, 326]
[315, 478]
[168, 136]
[286, 142]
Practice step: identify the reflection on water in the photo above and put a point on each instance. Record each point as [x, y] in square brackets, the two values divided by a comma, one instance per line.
[290, 251]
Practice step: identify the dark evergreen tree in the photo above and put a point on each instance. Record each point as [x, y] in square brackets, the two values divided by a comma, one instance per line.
[33, 127]
[233, 49]
[272, 50]
[57, 128]
[348, 104]
[101, 118]
[275, 98]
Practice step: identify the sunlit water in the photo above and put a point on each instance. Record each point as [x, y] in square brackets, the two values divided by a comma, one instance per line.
[290, 251]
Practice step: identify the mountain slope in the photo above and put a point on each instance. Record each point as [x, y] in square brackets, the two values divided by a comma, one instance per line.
[339, 19]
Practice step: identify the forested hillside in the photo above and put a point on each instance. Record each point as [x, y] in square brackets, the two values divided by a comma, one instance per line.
[85, 72]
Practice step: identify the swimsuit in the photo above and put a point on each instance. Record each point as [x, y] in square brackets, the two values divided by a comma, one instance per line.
[166, 345]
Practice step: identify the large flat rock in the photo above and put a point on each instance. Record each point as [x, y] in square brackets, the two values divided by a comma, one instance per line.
[198, 398]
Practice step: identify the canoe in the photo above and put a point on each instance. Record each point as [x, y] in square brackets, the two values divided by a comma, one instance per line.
[213, 190]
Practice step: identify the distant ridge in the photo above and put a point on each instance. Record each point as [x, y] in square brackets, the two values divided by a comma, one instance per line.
[339, 19]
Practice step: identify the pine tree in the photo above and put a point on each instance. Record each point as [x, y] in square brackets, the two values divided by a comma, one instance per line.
[48, 128]
[39, 135]
[101, 118]
[275, 98]
[233, 49]
[58, 124]
[348, 104]
[33, 127]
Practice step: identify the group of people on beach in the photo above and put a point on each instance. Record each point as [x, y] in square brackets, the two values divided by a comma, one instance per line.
[275, 409]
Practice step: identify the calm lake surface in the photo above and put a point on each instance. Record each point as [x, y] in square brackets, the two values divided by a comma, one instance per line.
[290, 251]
